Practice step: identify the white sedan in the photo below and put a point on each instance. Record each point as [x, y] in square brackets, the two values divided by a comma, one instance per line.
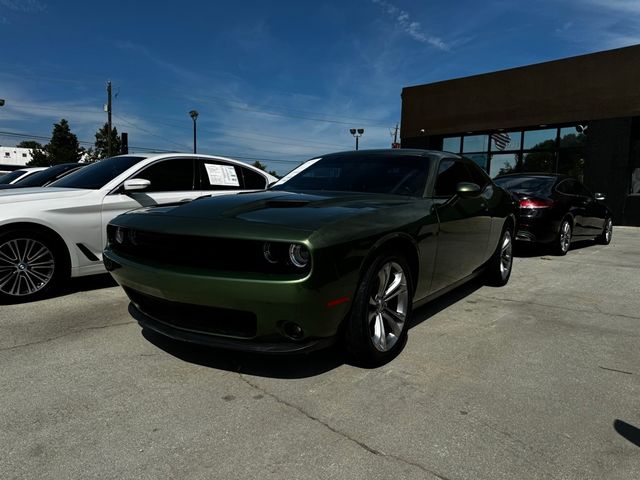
[17, 175]
[48, 234]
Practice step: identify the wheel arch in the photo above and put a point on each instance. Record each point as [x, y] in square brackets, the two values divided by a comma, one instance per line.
[397, 242]
[60, 243]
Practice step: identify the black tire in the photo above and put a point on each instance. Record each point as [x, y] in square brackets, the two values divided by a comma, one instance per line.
[366, 345]
[31, 265]
[498, 269]
[607, 232]
[562, 242]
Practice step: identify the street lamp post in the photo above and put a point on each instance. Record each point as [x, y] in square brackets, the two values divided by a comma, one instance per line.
[357, 132]
[194, 116]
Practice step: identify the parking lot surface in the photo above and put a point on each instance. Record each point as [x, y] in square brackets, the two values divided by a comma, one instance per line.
[538, 379]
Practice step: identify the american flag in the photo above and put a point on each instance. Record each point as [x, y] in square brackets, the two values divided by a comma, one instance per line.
[501, 140]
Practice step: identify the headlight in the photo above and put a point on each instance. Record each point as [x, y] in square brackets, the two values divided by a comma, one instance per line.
[119, 236]
[299, 255]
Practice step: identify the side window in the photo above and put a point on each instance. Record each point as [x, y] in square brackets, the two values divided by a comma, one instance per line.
[450, 173]
[253, 180]
[582, 190]
[478, 175]
[219, 175]
[171, 175]
[568, 187]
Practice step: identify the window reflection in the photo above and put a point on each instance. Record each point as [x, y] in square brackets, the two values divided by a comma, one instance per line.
[508, 140]
[570, 138]
[480, 159]
[475, 143]
[503, 163]
[451, 144]
[540, 139]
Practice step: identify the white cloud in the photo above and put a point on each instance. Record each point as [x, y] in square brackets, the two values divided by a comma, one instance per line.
[412, 28]
[26, 6]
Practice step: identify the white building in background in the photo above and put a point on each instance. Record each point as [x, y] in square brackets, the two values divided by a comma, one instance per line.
[14, 156]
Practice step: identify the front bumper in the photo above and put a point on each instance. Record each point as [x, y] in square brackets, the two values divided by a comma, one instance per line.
[239, 312]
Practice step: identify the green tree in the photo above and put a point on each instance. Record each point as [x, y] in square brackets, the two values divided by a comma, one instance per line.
[101, 149]
[62, 148]
[263, 167]
[32, 144]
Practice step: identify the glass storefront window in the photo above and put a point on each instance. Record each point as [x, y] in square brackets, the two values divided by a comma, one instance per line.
[475, 143]
[571, 162]
[479, 159]
[544, 162]
[510, 141]
[570, 138]
[451, 144]
[540, 139]
[503, 163]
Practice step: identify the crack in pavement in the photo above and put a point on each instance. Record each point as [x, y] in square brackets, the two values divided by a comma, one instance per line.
[560, 307]
[50, 339]
[344, 435]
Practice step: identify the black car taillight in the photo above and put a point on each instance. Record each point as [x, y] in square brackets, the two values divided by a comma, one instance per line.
[535, 203]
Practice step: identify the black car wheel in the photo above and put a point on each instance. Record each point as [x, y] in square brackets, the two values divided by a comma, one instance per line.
[607, 232]
[563, 239]
[377, 326]
[30, 265]
[499, 266]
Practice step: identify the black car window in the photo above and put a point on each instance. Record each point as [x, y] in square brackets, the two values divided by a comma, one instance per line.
[253, 180]
[98, 174]
[526, 184]
[11, 176]
[477, 174]
[582, 190]
[219, 175]
[171, 175]
[404, 175]
[450, 173]
[46, 176]
[568, 187]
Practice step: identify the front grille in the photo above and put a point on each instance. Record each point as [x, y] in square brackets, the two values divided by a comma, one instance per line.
[190, 251]
[197, 318]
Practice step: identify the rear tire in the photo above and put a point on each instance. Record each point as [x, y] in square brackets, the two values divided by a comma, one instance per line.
[31, 265]
[607, 233]
[500, 264]
[376, 328]
[563, 240]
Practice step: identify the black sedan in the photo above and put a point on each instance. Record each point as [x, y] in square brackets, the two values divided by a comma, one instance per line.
[557, 210]
[45, 177]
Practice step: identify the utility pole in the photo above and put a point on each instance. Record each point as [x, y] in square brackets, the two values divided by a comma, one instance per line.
[395, 143]
[109, 118]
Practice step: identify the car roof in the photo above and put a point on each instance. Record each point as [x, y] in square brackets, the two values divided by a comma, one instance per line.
[393, 152]
[559, 176]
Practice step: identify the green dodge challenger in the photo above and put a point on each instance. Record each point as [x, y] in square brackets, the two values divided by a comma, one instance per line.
[341, 249]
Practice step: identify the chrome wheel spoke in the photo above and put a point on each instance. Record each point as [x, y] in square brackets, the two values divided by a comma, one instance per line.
[383, 278]
[26, 266]
[379, 333]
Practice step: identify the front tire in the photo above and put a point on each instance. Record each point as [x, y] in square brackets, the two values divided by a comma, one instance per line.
[376, 328]
[607, 233]
[499, 267]
[563, 239]
[30, 265]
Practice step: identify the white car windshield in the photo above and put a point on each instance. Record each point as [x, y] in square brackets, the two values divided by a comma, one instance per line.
[96, 176]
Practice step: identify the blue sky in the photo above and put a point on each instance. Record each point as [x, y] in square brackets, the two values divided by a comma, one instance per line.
[279, 81]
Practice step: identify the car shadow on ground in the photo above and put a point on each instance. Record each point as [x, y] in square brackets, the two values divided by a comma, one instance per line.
[295, 365]
[529, 250]
[627, 431]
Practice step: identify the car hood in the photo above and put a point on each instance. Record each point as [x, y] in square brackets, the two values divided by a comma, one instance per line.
[329, 216]
[14, 195]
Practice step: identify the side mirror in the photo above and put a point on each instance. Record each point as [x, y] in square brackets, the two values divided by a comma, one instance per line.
[599, 196]
[467, 189]
[135, 184]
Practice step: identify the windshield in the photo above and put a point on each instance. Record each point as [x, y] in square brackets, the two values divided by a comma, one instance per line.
[371, 173]
[11, 176]
[97, 175]
[526, 184]
[40, 178]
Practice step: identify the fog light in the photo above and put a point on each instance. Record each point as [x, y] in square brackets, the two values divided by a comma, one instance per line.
[119, 236]
[299, 255]
[293, 330]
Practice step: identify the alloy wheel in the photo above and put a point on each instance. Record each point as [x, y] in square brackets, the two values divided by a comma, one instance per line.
[565, 236]
[26, 266]
[506, 255]
[388, 305]
[608, 231]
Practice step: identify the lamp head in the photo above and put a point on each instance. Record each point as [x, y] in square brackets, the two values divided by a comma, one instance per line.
[361, 131]
[193, 114]
[353, 131]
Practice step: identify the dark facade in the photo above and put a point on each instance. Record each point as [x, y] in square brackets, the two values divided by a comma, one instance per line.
[579, 116]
